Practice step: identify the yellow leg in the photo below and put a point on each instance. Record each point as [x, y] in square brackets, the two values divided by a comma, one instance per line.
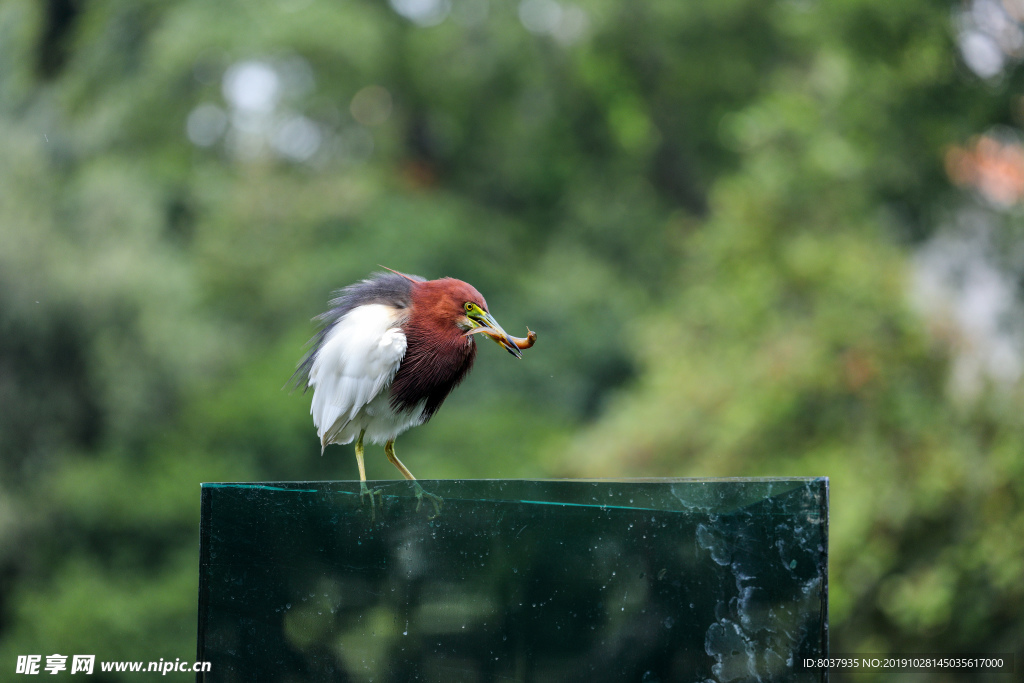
[389, 450]
[359, 457]
[437, 501]
[365, 492]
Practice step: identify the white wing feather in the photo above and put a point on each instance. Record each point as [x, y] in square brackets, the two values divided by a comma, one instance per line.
[356, 361]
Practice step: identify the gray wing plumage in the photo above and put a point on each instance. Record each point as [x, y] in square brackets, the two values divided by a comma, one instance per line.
[386, 288]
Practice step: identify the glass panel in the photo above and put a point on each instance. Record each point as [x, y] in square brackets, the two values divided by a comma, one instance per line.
[637, 580]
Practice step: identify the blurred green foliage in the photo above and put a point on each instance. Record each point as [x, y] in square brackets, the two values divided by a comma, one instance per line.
[708, 211]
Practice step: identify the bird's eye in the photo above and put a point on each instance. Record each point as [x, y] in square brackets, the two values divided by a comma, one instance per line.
[469, 307]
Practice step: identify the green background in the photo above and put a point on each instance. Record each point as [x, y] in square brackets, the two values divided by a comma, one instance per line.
[713, 214]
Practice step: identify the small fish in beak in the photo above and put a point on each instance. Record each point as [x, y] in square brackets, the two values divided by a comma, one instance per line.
[511, 344]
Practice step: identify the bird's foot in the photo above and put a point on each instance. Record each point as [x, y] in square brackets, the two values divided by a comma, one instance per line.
[436, 501]
[376, 497]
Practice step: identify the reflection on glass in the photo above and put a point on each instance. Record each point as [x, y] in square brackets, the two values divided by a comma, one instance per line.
[667, 580]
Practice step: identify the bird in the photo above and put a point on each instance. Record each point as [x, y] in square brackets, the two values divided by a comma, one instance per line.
[390, 350]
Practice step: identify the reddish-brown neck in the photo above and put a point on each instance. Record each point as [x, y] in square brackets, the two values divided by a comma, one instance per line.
[438, 354]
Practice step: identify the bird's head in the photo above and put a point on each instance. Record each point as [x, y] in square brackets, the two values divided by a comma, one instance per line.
[458, 303]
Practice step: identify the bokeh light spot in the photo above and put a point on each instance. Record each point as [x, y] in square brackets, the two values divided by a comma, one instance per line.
[540, 16]
[298, 138]
[565, 23]
[423, 12]
[371, 106]
[991, 164]
[981, 53]
[206, 124]
[252, 86]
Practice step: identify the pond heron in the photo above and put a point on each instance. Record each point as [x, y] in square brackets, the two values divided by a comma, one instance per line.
[390, 350]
